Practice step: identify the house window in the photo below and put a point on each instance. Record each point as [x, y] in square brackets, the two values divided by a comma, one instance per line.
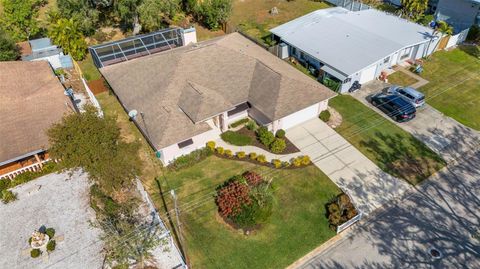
[302, 55]
[185, 143]
[406, 53]
[294, 51]
[238, 109]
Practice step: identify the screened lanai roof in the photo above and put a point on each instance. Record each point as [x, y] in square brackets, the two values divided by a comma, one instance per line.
[136, 46]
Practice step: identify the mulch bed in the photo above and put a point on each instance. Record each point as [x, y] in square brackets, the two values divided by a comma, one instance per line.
[97, 86]
[255, 142]
[267, 164]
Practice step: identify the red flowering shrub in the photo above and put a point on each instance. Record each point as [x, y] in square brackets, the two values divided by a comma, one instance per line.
[253, 179]
[232, 197]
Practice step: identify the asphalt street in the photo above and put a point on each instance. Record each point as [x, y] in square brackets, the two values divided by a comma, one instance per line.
[442, 214]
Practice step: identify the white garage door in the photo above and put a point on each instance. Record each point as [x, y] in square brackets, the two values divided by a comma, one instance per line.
[368, 74]
[300, 116]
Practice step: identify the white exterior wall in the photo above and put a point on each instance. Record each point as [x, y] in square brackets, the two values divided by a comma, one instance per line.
[171, 152]
[236, 117]
[300, 116]
[189, 36]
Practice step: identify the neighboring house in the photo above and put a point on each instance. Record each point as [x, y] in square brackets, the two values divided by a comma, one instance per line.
[353, 46]
[32, 99]
[461, 14]
[43, 49]
[189, 95]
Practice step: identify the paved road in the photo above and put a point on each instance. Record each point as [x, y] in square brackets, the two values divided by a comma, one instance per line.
[443, 213]
[369, 187]
[442, 134]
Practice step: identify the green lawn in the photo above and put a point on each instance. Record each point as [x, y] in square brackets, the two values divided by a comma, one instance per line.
[394, 150]
[297, 226]
[254, 18]
[454, 87]
[402, 79]
[90, 71]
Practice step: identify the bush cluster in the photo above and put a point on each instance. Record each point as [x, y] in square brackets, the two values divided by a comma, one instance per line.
[47, 168]
[245, 200]
[190, 159]
[241, 154]
[50, 232]
[239, 122]
[51, 245]
[8, 196]
[325, 115]
[278, 145]
[265, 136]
[211, 145]
[280, 133]
[220, 150]
[340, 210]
[251, 125]
[236, 139]
[35, 253]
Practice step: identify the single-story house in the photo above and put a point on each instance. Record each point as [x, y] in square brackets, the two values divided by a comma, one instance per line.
[189, 95]
[349, 46]
[42, 49]
[461, 14]
[32, 99]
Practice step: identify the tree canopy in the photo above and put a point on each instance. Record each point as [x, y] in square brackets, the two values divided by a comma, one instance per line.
[92, 143]
[154, 13]
[8, 49]
[19, 18]
[413, 9]
[66, 34]
[213, 13]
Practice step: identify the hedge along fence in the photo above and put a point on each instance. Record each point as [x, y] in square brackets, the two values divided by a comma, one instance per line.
[253, 157]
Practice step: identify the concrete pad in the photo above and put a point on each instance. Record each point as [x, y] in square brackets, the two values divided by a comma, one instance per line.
[330, 164]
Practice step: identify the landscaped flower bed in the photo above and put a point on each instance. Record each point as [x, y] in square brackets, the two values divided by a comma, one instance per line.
[340, 210]
[245, 201]
[260, 159]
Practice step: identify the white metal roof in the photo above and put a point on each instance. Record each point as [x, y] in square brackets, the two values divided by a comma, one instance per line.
[351, 41]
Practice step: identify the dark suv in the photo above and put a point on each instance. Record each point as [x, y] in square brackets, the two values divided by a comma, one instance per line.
[394, 106]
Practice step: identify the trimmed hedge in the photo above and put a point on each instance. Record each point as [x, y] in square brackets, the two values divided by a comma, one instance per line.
[51, 245]
[35, 253]
[325, 115]
[190, 159]
[50, 232]
[236, 139]
[239, 122]
[280, 133]
[48, 168]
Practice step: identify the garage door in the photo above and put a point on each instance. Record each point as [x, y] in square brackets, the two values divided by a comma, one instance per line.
[300, 116]
[368, 74]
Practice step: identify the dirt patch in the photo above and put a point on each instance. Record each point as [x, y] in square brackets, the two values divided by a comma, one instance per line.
[255, 142]
[97, 86]
[335, 118]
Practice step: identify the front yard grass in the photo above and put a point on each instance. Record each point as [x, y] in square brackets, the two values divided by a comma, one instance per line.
[394, 150]
[297, 226]
[402, 79]
[454, 87]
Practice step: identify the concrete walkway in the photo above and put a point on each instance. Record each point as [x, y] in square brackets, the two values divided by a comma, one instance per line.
[248, 149]
[366, 183]
[420, 81]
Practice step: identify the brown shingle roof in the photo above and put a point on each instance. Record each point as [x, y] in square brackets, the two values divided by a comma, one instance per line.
[31, 99]
[197, 82]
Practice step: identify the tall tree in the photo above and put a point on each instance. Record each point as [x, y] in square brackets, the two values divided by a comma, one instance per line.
[19, 18]
[85, 12]
[213, 13]
[8, 49]
[127, 10]
[94, 144]
[66, 34]
[413, 9]
[154, 13]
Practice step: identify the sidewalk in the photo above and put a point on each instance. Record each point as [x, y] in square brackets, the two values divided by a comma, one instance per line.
[248, 149]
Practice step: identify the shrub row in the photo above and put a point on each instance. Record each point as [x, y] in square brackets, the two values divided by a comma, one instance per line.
[190, 159]
[239, 122]
[5, 184]
[260, 158]
[276, 143]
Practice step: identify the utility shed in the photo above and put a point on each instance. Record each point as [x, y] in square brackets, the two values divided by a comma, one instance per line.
[353, 46]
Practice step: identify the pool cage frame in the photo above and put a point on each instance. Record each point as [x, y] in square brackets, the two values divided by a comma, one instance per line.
[136, 46]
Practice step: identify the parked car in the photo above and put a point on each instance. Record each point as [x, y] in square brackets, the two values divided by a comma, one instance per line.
[394, 106]
[415, 97]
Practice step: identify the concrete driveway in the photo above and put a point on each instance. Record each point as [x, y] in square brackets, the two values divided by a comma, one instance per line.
[366, 183]
[443, 213]
[442, 134]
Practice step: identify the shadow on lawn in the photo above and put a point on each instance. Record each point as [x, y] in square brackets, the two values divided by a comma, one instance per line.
[473, 50]
[404, 157]
[442, 213]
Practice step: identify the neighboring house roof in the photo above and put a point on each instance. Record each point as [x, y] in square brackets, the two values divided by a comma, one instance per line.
[177, 90]
[350, 41]
[41, 44]
[31, 100]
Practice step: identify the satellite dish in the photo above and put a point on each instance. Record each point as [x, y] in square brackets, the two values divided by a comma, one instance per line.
[132, 114]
